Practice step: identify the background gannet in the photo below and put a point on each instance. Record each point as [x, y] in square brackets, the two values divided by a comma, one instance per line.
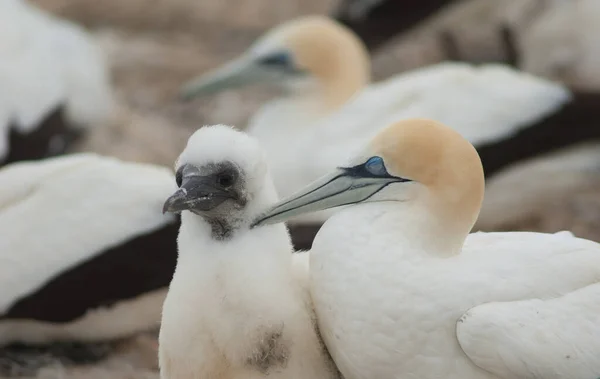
[85, 253]
[393, 273]
[54, 82]
[238, 305]
[330, 108]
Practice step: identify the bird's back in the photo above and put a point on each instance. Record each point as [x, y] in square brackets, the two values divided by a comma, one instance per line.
[387, 310]
[57, 213]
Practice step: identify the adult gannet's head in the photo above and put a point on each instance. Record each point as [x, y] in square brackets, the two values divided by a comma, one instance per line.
[312, 47]
[223, 178]
[421, 163]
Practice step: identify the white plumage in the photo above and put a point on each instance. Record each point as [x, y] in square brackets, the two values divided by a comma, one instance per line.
[60, 213]
[238, 305]
[505, 337]
[45, 63]
[401, 290]
[330, 108]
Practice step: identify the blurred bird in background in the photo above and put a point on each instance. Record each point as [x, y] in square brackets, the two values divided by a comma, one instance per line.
[86, 255]
[55, 83]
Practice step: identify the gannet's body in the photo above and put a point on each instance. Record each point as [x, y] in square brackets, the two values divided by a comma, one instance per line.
[47, 64]
[331, 108]
[238, 305]
[570, 350]
[85, 253]
[401, 290]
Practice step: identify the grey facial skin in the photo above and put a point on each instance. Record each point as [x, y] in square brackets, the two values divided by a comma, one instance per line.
[215, 192]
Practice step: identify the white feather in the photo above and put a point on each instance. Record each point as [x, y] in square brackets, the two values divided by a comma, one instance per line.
[542, 338]
[57, 213]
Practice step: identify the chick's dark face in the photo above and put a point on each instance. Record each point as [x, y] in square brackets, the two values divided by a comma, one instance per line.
[215, 190]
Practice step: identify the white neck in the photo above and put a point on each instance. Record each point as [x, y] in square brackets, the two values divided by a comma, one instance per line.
[407, 225]
[309, 97]
[293, 113]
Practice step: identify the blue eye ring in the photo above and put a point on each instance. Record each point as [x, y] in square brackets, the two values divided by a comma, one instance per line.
[375, 166]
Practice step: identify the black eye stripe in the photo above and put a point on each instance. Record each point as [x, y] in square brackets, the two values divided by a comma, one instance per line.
[374, 167]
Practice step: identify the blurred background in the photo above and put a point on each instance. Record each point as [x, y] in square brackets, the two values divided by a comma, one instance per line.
[155, 46]
[152, 47]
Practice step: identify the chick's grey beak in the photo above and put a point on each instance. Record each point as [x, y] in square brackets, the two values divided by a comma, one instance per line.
[342, 187]
[197, 194]
[235, 74]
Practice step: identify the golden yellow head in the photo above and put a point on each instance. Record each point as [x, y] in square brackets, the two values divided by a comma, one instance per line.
[438, 158]
[327, 50]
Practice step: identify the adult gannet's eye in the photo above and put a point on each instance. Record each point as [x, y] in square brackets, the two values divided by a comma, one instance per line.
[277, 59]
[375, 166]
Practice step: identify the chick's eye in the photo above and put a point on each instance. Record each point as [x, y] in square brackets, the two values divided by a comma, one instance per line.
[179, 177]
[376, 167]
[225, 180]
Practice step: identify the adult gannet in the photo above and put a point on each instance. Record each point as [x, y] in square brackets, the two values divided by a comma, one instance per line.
[238, 305]
[330, 108]
[54, 82]
[401, 290]
[85, 253]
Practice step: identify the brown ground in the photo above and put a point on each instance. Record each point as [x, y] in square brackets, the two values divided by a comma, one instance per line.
[154, 46]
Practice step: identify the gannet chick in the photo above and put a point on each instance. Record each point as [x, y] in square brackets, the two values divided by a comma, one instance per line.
[238, 305]
[329, 106]
[402, 290]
